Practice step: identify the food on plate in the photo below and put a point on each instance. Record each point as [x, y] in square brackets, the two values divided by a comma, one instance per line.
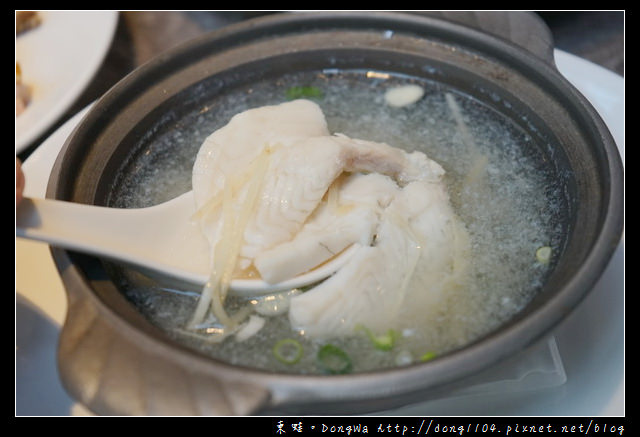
[26, 20]
[277, 195]
[23, 92]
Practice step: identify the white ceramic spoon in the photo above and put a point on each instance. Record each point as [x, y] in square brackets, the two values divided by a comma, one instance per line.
[159, 239]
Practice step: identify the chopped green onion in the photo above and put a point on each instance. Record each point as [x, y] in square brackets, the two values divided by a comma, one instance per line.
[334, 360]
[288, 351]
[428, 356]
[543, 254]
[298, 92]
[383, 342]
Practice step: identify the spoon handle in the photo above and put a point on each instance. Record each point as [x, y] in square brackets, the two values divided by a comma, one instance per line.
[71, 225]
[160, 238]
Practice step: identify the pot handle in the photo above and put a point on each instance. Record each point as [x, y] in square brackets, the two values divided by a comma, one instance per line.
[525, 29]
[111, 368]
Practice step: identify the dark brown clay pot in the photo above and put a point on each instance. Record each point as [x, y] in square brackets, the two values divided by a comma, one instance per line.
[112, 360]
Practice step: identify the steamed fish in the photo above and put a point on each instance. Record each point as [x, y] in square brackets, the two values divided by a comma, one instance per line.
[301, 161]
[349, 215]
[419, 253]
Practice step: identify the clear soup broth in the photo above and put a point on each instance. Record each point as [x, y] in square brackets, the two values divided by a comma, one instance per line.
[498, 182]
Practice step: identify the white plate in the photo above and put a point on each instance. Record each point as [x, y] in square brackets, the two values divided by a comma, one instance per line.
[590, 342]
[58, 59]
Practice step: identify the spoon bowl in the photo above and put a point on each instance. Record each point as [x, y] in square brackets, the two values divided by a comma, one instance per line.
[160, 240]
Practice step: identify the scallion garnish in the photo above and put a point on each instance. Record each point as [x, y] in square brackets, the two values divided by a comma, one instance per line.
[382, 342]
[299, 92]
[427, 356]
[334, 360]
[288, 351]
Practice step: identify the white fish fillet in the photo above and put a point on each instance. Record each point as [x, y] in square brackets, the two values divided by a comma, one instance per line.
[304, 162]
[320, 193]
[299, 177]
[228, 152]
[420, 252]
[231, 148]
[332, 228]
